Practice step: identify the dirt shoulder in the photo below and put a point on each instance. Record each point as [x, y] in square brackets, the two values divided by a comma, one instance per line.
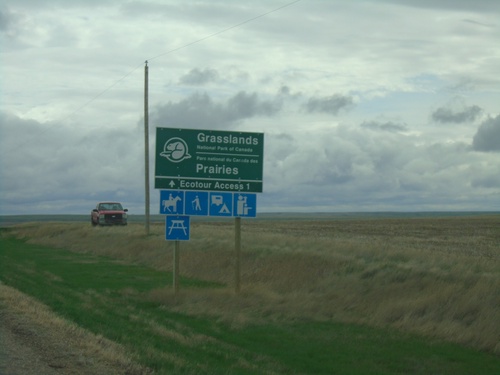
[34, 340]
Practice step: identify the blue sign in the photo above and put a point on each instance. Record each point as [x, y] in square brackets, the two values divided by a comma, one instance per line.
[196, 203]
[245, 205]
[172, 202]
[203, 203]
[221, 204]
[177, 228]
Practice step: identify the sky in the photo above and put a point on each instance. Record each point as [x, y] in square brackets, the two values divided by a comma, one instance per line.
[365, 106]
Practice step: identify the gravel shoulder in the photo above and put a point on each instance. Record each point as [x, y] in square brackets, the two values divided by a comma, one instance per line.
[17, 356]
[34, 340]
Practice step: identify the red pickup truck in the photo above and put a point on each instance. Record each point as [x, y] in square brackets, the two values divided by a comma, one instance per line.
[109, 213]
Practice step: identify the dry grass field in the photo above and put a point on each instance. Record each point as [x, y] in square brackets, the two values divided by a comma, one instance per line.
[439, 277]
[37, 341]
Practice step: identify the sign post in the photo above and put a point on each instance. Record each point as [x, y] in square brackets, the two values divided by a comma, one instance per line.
[176, 267]
[177, 228]
[207, 173]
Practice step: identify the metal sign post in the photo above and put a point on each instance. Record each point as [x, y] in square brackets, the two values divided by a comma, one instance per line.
[177, 229]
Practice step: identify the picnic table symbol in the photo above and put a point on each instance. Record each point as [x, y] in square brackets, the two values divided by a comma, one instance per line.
[177, 225]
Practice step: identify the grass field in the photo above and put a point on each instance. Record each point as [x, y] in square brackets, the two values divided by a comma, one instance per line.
[388, 296]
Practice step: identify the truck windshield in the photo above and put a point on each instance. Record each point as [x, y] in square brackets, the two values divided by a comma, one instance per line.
[110, 207]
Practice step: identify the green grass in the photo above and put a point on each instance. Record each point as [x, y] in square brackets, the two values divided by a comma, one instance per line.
[113, 299]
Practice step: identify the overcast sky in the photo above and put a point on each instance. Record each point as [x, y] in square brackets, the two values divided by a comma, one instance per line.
[369, 105]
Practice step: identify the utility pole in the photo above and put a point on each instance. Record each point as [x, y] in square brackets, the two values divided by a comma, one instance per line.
[146, 145]
[237, 255]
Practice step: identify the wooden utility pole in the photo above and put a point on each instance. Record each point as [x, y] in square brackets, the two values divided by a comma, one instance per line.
[237, 255]
[146, 146]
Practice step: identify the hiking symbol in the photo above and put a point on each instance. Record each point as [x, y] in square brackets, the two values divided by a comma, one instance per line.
[196, 203]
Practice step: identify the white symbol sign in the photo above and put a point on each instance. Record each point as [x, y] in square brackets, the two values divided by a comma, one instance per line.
[177, 224]
[196, 203]
[170, 205]
[245, 204]
[171, 202]
[175, 150]
[242, 206]
[221, 204]
[177, 228]
[203, 203]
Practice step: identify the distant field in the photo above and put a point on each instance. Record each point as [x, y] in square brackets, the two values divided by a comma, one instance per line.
[434, 276]
[6, 220]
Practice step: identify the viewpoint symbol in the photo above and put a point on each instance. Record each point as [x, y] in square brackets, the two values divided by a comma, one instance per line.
[175, 150]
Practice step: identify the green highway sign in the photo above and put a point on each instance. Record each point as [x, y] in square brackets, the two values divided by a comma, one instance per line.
[190, 159]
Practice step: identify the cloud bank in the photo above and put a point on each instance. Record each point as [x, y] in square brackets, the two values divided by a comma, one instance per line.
[402, 117]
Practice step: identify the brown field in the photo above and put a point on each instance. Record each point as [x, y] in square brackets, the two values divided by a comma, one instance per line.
[439, 277]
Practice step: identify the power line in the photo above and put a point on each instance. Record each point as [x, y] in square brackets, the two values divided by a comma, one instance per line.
[94, 98]
[185, 46]
[224, 30]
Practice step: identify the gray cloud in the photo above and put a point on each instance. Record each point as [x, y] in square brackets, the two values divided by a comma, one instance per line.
[477, 5]
[200, 111]
[473, 22]
[491, 181]
[248, 105]
[487, 137]
[199, 77]
[50, 166]
[330, 104]
[53, 4]
[386, 126]
[4, 20]
[8, 21]
[275, 75]
[448, 115]
[386, 169]
[286, 93]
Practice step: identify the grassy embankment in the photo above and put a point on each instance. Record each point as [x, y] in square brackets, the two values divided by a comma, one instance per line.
[438, 278]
